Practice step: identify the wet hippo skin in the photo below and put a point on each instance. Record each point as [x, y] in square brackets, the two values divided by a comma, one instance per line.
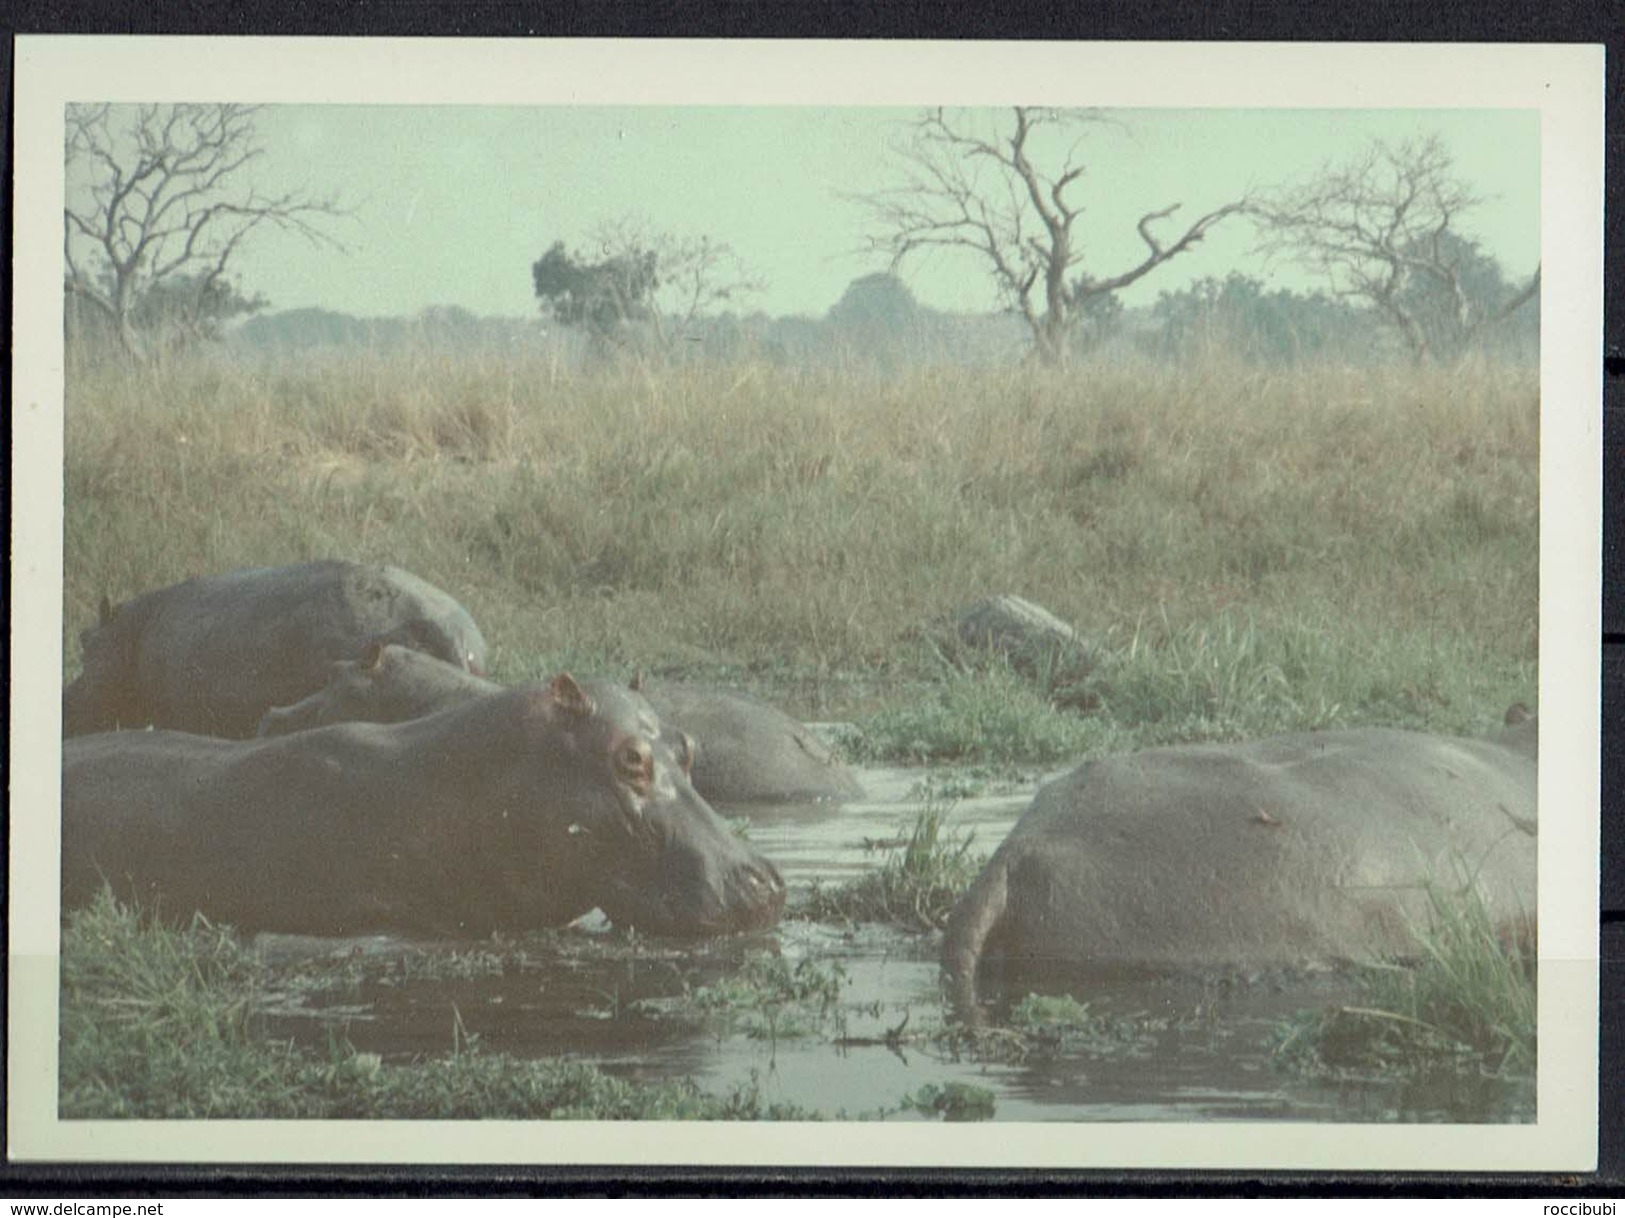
[520, 810]
[749, 752]
[212, 655]
[1296, 850]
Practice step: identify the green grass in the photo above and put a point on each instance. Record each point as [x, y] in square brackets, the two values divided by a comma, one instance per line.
[160, 1023]
[1224, 678]
[975, 719]
[953, 1101]
[1468, 1003]
[1241, 551]
[915, 887]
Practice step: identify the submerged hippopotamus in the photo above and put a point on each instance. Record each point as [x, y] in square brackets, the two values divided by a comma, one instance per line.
[748, 751]
[1297, 850]
[521, 810]
[212, 655]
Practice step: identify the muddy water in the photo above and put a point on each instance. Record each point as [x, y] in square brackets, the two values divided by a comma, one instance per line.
[1175, 1049]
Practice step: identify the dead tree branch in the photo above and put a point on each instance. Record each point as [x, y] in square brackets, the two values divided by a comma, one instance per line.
[1004, 190]
[163, 193]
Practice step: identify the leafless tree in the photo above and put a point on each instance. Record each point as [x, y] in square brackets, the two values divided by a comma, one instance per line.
[691, 277]
[162, 193]
[1007, 194]
[1384, 228]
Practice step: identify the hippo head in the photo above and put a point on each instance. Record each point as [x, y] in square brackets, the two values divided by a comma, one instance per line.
[643, 846]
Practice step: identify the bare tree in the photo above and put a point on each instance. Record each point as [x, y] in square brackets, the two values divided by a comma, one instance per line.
[698, 276]
[161, 194]
[993, 194]
[1384, 229]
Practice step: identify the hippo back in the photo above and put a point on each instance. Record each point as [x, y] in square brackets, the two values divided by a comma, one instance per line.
[1295, 850]
[211, 655]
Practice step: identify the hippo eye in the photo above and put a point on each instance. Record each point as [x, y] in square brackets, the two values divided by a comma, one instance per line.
[687, 752]
[635, 765]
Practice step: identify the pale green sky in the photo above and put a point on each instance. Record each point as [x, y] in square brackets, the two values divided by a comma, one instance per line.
[453, 203]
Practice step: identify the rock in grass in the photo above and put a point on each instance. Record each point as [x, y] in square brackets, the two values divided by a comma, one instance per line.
[1028, 637]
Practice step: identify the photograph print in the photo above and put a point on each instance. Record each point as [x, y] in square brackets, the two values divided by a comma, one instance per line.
[814, 617]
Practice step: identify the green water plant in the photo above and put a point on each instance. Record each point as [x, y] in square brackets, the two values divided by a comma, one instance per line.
[1467, 1003]
[159, 1023]
[953, 1101]
[770, 998]
[916, 886]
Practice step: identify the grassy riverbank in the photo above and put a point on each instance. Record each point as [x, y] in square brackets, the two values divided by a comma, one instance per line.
[1246, 551]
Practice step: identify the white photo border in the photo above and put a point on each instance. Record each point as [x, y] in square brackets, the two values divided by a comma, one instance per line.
[1563, 83]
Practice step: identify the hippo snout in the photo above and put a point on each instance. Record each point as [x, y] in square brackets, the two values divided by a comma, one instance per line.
[748, 896]
[757, 896]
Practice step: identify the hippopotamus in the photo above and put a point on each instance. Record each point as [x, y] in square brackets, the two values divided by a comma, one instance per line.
[387, 683]
[748, 751]
[521, 810]
[212, 655]
[1299, 850]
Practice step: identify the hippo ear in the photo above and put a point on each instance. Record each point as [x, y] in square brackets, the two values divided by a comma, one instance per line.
[569, 696]
[373, 656]
[637, 682]
[106, 610]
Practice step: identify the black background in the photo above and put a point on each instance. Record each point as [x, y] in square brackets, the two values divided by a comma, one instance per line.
[1589, 21]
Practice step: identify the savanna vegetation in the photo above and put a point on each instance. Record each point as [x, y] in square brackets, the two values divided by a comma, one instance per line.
[1245, 551]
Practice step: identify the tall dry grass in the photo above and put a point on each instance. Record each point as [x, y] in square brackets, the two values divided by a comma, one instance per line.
[1376, 524]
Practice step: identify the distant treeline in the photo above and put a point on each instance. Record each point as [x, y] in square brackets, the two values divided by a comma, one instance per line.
[878, 324]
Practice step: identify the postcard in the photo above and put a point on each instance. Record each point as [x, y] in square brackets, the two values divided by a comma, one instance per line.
[805, 604]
